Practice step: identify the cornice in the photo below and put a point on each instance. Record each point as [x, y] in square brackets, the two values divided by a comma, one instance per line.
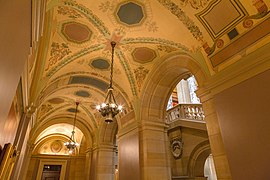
[248, 67]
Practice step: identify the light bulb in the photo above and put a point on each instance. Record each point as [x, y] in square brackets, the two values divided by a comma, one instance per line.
[112, 105]
[98, 107]
[103, 105]
[120, 107]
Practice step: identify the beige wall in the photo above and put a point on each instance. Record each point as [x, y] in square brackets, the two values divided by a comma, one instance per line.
[15, 34]
[244, 115]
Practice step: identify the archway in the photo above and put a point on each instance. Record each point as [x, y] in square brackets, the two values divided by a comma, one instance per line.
[153, 136]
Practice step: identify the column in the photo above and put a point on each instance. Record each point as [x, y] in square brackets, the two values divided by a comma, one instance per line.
[215, 138]
[102, 167]
[21, 142]
[154, 158]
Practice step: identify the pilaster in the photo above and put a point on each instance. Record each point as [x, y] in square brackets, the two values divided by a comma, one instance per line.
[215, 138]
[154, 159]
[102, 165]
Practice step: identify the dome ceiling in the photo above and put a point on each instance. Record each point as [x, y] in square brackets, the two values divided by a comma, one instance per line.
[75, 56]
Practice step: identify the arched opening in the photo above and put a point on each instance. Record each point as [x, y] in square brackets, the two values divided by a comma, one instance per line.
[209, 168]
[184, 92]
[186, 130]
[173, 145]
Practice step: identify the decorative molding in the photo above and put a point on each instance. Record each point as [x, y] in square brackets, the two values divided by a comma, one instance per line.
[58, 52]
[195, 4]
[166, 48]
[71, 58]
[218, 28]
[56, 146]
[126, 67]
[262, 10]
[254, 63]
[140, 74]
[180, 14]
[151, 26]
[177, 147]
[243, 42]
[106, 6]
[149, 40]
[89, 15]
[71, 13]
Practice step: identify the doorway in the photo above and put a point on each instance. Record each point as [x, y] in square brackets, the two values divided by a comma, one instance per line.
[51, 172]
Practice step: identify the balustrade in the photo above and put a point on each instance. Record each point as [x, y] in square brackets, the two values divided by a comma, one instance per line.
[185, 111]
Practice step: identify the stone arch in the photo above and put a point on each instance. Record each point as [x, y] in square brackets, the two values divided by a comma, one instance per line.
[197, 159]
[43, 140]
[167, 73]
[80, 124]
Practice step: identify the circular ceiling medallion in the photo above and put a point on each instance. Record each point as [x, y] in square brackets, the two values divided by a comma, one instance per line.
[76, 32]
[56, 146]
[130, 13]
[100, 64]
[144, 55]
[56, 100]
[82, 93]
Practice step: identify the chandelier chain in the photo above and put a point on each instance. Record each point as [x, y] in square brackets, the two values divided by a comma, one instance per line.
[111, 75]
[77, 104]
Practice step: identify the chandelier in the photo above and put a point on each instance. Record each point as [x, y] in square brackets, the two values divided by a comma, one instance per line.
[72, 144]
[109, 107]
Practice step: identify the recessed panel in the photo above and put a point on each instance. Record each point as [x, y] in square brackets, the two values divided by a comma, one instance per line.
[100, 64]
[130, 13]
[76, 32]
[89, 81]
[56, 100]
[221, 16]
[82, 93]
[144, 55]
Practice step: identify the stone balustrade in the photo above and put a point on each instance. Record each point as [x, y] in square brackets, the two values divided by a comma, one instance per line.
[185, 111]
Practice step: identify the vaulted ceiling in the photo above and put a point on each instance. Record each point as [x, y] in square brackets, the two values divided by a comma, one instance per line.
[74, 56]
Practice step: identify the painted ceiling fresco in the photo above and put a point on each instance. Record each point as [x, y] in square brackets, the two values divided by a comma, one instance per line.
[75, 53]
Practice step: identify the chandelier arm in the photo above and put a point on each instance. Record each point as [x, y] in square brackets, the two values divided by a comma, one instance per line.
[111, 75]
[113, 99]
[107, 97]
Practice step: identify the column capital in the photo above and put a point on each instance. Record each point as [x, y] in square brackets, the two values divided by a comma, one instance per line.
[153, 125]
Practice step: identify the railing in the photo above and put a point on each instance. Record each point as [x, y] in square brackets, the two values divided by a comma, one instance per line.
[185, 111]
